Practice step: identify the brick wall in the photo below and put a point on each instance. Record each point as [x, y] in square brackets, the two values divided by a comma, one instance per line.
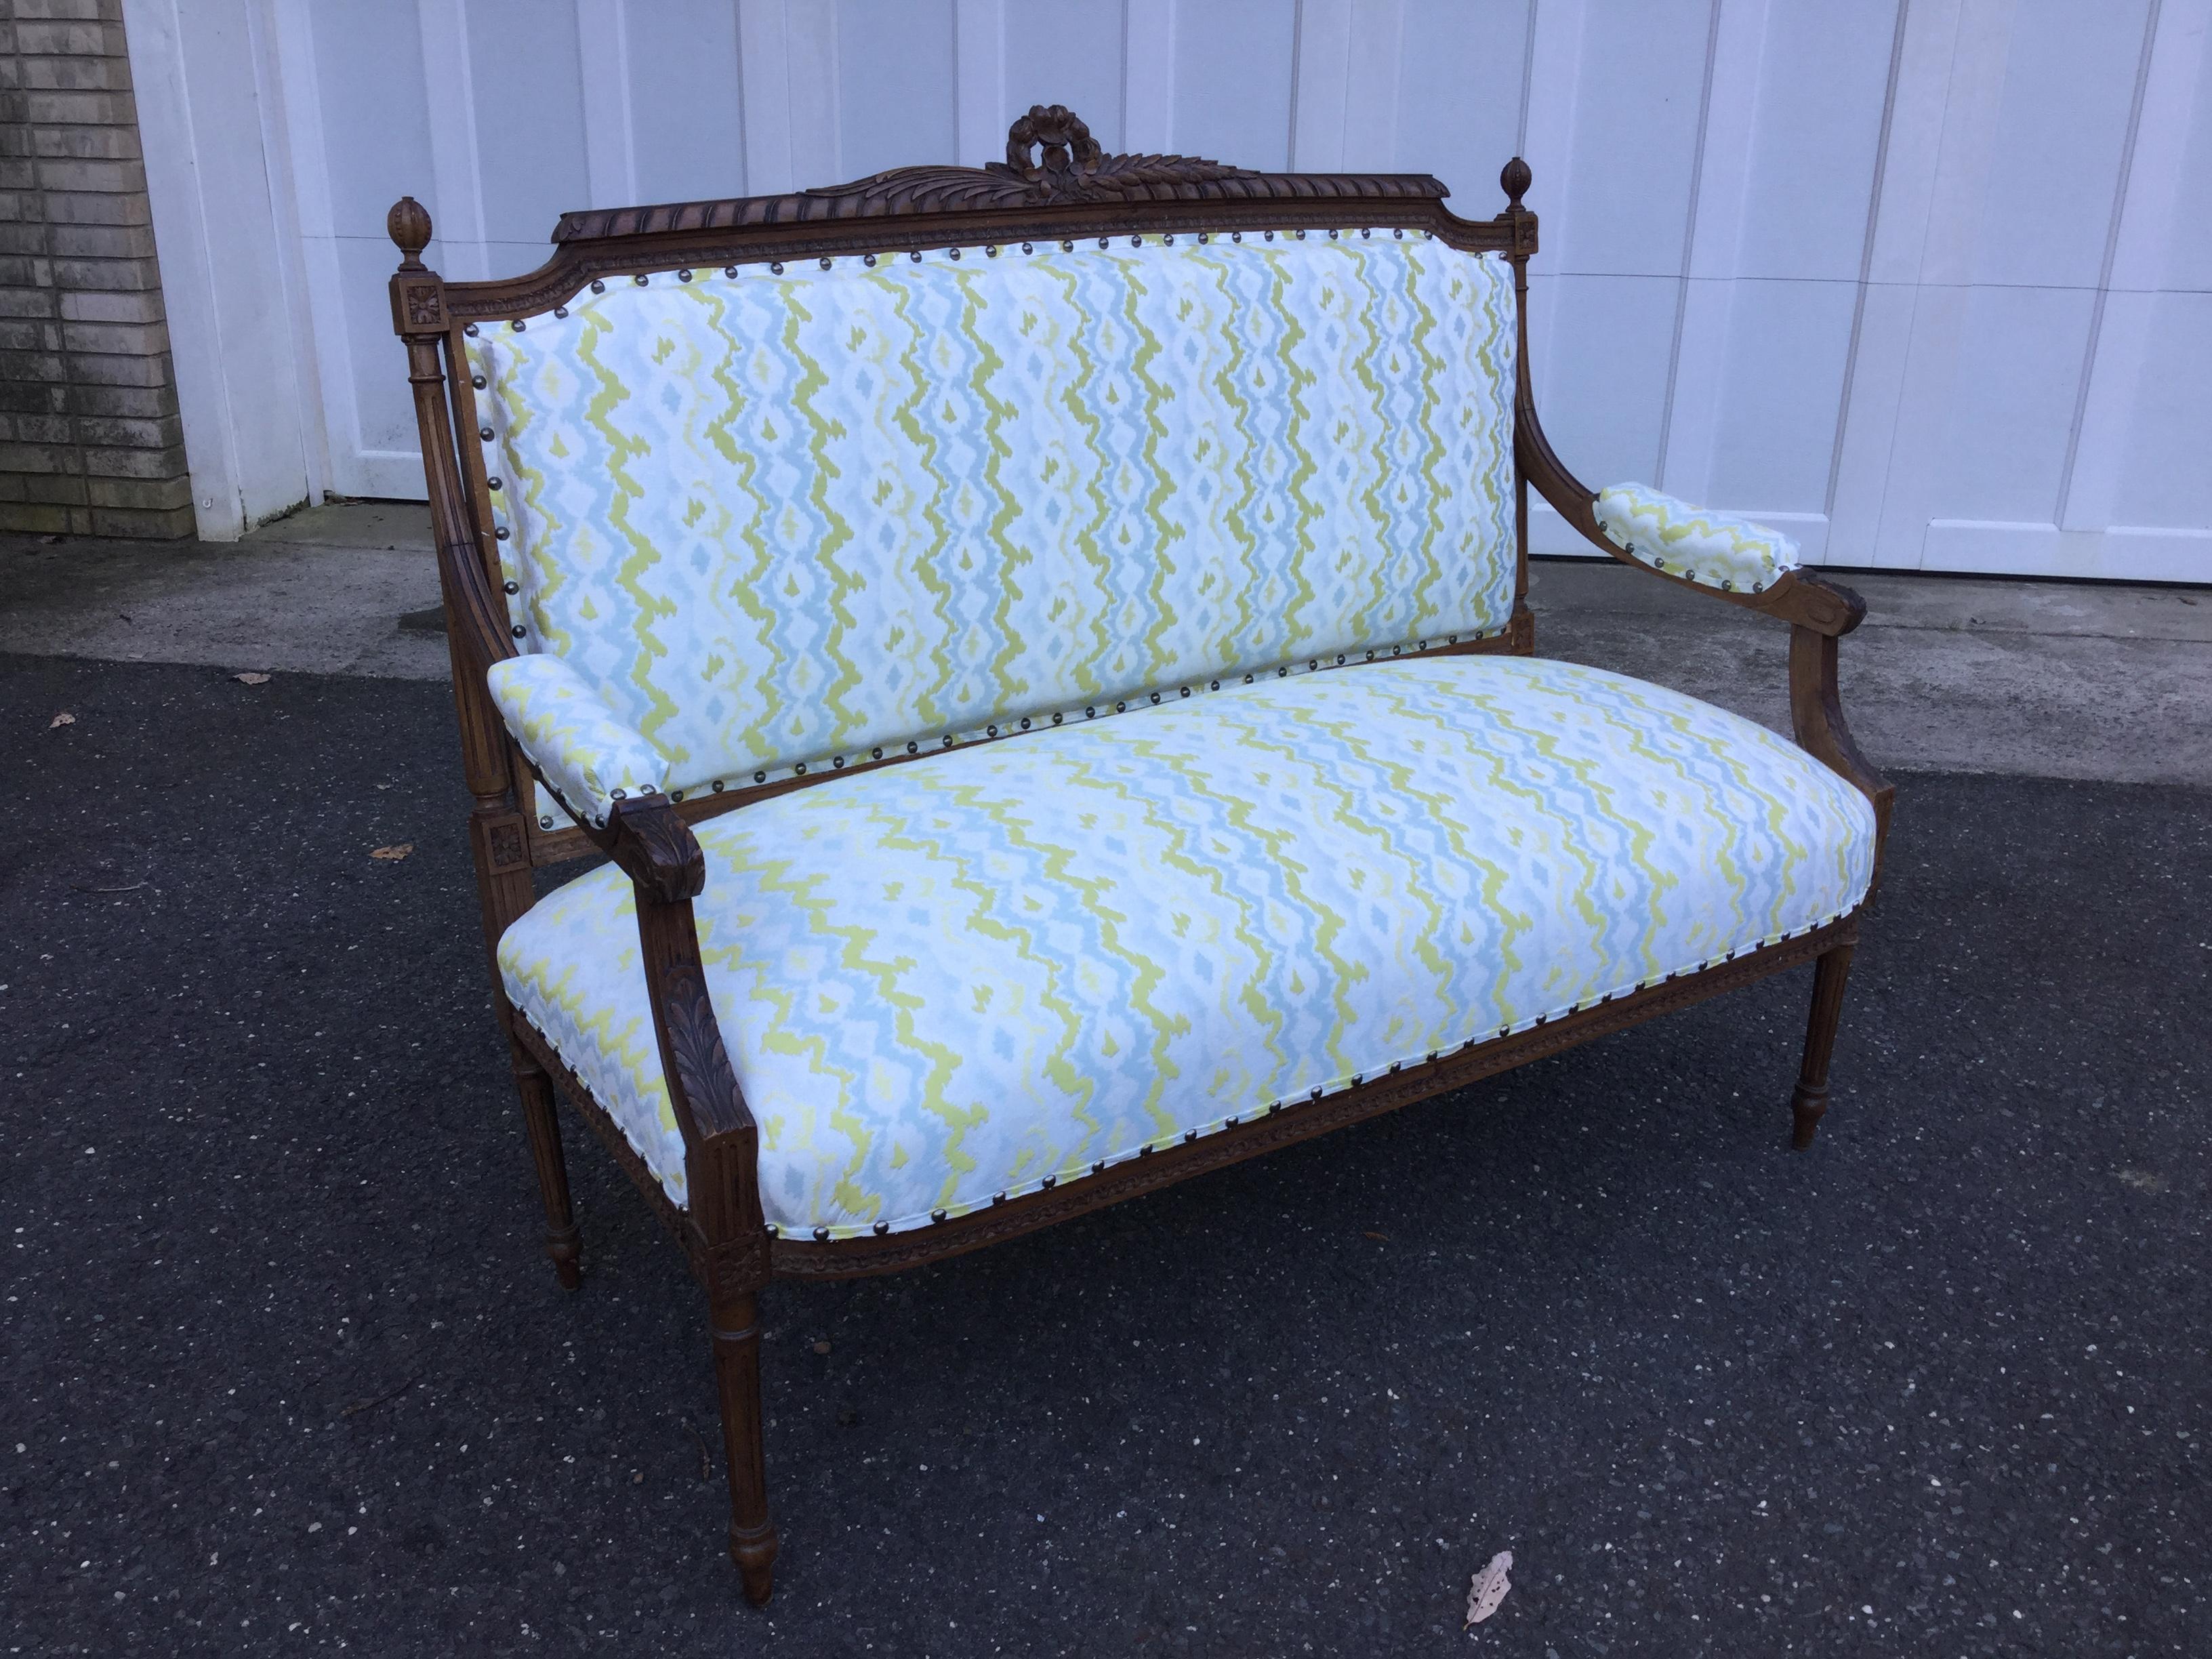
[89, 439]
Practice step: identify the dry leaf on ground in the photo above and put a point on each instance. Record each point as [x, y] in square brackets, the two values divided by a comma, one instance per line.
[390, 854]
[250, 679]
[1489, 1588]
[63, 718]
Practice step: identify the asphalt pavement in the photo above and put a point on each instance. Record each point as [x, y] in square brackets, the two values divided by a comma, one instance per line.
[285, 1371]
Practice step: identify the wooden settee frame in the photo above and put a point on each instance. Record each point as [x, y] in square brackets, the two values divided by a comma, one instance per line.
[1055, 185]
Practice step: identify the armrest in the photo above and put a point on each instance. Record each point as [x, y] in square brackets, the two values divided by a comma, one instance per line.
[1714, 550]
[1632, 523]
[648, 840]
[589, 757]
[1795, 596]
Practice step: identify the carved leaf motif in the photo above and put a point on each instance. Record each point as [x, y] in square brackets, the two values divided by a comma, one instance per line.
[695, 1041]
[1113, 175]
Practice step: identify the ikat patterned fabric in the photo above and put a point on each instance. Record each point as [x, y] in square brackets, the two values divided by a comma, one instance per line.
[966, 975]
[587, 756]
[791, 517]
[1716, 550]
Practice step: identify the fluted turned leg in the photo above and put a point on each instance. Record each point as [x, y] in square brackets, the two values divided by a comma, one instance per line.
[1810, 1102]
[563, 1244]
[737, 1372]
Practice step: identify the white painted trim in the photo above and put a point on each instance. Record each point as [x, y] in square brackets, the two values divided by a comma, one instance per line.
[1321, 59]
[979, 81]
[1148, 59]
[202, 128]
[609, 135]
[2145, 553]
[2153, 180]
[457, 215]
[1373, 68]
[1697, 370]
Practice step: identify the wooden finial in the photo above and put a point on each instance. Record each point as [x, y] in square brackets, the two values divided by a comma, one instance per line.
[1516, 179]
[408, 224]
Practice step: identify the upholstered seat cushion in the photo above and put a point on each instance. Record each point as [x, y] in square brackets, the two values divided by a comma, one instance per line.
[955, 977]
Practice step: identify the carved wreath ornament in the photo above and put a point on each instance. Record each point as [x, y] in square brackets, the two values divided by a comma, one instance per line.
[1069, 166]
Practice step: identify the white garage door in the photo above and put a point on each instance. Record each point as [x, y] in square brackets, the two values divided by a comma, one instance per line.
[1930, 285]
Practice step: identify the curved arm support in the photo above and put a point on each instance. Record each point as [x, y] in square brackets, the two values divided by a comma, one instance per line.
[653, 845]
[1816, 716]
[1799, 597]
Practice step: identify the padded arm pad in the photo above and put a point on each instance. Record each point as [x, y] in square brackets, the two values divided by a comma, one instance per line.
[1714, 550]
[587, 754]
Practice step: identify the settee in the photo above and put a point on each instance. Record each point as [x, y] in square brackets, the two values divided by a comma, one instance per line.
[1041, 655]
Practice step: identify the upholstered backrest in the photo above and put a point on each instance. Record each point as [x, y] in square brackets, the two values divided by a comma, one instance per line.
[785, 516]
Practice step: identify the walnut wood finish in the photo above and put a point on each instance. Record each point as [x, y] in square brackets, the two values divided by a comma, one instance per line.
[1056, 185]
[1809, 1103]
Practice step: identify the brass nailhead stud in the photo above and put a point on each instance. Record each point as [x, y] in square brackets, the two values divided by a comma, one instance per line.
[937, 1215]
[1099, 1168]
[882, 1227]
[1167, 241]
[1156, 697]
[836, 762]
[1027, 247]
[912, 748]
[544, 823]
[998, 1198]
[1144, 1150]
[1399, 235]
[1189, 1135]
[868, 259]
[1332, 236]
[1301, 235]
[717, 785]
[598, 288]
[1025, 725]
[499, 533]
[821, 1235]
[470, 331]
[1055, 720]
[915, 256]
[776, 267]
[1271, 235]
[1316, 1093]
[642, 280]
[876, 754]
[513, 587]
[683, 276]
[826, 262]
[1067, 248]
[729, 271]
[1236, 235]
[990, 730]
[491, 483]
[478, 381]
[774, 1232]
[800, 770]
[760, 777]
[990, 253]
[485, 432]
[1228, 1122]
[560, 311]
[1049, 1182]
[954, 251]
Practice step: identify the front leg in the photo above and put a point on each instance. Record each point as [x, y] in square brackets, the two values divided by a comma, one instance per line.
[721, 1148]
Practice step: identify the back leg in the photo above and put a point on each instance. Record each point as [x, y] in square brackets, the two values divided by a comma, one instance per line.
[563, 1243]
[1810, 1102]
